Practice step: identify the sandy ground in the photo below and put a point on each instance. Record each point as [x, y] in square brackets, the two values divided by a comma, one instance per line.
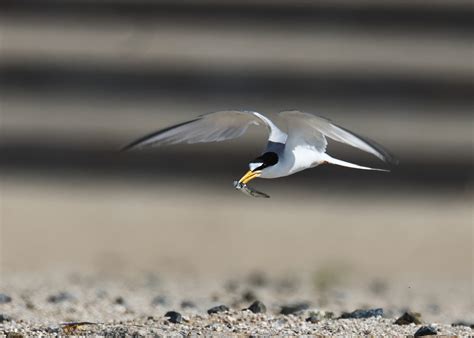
[137, 306]
[114, 247]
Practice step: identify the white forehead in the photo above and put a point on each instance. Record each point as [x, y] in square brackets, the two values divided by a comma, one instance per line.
[254, 165]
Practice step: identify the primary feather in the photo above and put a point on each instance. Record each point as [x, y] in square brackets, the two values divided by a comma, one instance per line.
[312, 130]
[213, 127]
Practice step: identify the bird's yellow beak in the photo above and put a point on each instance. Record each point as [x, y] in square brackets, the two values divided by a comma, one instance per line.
[249, 175]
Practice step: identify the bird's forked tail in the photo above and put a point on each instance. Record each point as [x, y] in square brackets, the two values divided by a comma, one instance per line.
[335, 161]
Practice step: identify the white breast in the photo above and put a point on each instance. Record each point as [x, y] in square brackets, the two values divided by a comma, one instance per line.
[293, 160]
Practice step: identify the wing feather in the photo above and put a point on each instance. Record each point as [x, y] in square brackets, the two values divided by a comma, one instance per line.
[212, 127]
[312, 127]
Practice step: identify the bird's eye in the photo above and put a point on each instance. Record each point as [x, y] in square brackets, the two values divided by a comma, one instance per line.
[255, 165]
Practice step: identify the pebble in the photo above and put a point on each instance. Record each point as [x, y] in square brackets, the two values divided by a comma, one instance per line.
[44, 318]
[174, 317]
[5, 298]
[357, 314]
[231, 285]
[461, 323]
[249, 296]
[257, 307]
[292, 309]
[426, 331]
[258, 279]
[159, 300]
[119, 301]
[187, 304]
[217, 309]
[60, 297]
[409, 318]
[4, 318]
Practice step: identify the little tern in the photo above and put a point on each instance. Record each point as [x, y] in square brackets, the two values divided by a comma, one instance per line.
[301, 146]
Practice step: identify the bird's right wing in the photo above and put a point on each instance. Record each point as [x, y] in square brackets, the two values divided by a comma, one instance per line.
[212, 127]
[314, 128]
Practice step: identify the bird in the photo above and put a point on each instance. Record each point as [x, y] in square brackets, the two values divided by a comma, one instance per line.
[300, 144]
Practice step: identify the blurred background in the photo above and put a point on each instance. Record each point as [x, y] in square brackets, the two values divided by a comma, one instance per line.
[81, 78]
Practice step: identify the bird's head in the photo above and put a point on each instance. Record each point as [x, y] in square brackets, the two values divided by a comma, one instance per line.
[258, 165]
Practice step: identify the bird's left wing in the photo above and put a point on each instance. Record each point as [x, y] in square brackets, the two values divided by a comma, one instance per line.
[212, 127]
[313, 128]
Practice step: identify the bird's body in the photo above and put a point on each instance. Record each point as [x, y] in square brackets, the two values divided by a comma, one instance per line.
[291, 160]
[300, 146]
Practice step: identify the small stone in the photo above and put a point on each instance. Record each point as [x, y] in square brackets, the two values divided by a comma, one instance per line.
[426, 331]
[60, 297]
[174, 317]
[5, 298]
[29, 305]
[249, 296]
[187, 304]
[119, 301]
[462, 323]
[257, 307]
[409, 318]
[313, 319]
[292, 309]
[231, 285]
[4, 318]
[258, 279]
[359, 313]
[217, 309]
[53, 329]
[159, 300]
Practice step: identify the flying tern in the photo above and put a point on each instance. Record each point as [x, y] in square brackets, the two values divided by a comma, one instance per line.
[300, 145]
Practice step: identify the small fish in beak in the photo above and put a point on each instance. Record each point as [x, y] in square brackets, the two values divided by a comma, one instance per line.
[239, 185]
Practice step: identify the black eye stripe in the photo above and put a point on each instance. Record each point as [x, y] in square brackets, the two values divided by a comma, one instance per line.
[267, 159]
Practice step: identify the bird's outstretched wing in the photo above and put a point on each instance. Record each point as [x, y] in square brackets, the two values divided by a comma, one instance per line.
[212, 127]
[313, 130]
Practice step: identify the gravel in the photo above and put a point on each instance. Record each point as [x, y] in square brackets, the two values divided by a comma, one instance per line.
[363, 313]
[187, 304]
[5, 298]
[119, 301]
[159, 300]
[60, 297]
[235, 322]
[461, 323]
[249, 296]
[257, 307]
[409, 318]
[294, 308]
[96, 311]
[217, 309]
[4, 318]
[313, 319]
[426, 331]
[174, 317]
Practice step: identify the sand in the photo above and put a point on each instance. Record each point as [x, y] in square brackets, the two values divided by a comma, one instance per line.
[121, 255]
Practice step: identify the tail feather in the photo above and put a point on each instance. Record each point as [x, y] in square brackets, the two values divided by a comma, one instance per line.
[335, 161]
